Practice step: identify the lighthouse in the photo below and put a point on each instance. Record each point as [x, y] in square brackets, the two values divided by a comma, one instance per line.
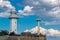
[13, 21]
[38, 25]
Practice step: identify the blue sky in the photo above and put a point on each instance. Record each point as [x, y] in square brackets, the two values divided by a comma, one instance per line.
[29, 10]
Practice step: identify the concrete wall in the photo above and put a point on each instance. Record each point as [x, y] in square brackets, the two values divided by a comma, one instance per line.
[21, 38]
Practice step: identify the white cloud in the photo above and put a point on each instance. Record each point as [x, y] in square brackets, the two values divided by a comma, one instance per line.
[48, 32]
[26, 11]
[53, 32]
[4, 14]
[5, 3]
[55, 12]
[51, 2]
[5, 7]
[28, 8]
[35, 30]
[52, 23]
[35, 3]
[27, 30]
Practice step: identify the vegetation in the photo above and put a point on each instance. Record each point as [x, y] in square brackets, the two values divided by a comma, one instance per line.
[12, 34]
[30, 34]
[3, 32]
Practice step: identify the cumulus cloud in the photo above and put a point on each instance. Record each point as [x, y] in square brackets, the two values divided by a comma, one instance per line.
[35, 30]
[5, 7]
[27, 30]
[51, 2]
[28, 8]
[55, 12]
[5, 3]
[51, 32]
[26, 11]
[43, 2]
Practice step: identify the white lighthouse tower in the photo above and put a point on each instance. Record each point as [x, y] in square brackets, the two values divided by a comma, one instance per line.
[13, 21]
[38, 25]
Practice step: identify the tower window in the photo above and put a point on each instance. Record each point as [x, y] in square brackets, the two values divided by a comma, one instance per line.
[15, 22]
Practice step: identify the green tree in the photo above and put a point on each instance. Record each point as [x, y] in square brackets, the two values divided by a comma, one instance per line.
[12, 34]
[3, 32]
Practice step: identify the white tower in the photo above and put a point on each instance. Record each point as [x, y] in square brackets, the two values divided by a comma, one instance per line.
[13, 21]
[38, 25]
